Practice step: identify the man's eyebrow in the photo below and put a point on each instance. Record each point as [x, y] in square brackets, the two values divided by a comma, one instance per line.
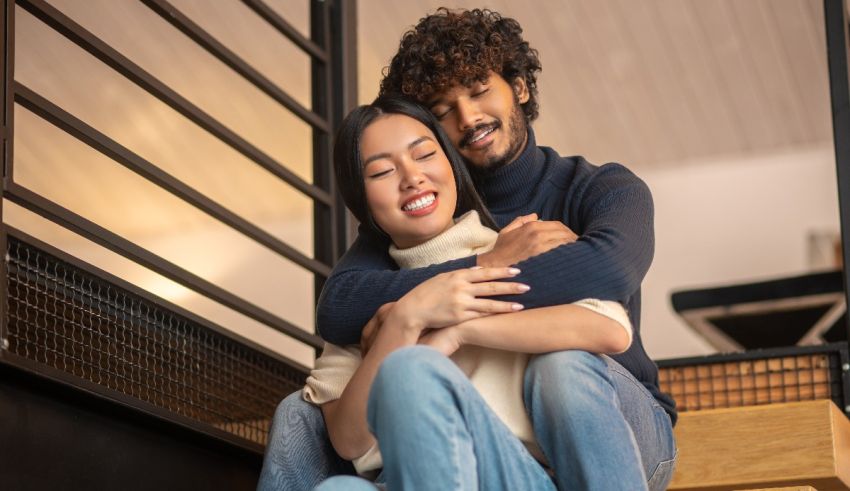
[386, 155]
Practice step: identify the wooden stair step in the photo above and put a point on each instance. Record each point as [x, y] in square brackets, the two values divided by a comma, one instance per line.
[775, 445]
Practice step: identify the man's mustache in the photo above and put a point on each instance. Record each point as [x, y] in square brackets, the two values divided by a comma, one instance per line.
[470, 133]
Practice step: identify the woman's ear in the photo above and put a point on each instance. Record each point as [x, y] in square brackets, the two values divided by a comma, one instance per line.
[521, 90]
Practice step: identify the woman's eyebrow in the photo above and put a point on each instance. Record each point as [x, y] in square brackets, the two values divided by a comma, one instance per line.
[419, 140]
[377, 156]
[386, 155]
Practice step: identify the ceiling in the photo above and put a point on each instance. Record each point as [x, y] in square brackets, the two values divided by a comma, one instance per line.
[654, 83]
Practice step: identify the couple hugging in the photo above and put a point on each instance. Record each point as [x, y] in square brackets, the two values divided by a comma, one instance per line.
[483, 330]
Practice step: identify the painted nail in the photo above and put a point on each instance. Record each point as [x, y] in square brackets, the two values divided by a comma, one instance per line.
[523, 288]
[514, 271]
[517, 306]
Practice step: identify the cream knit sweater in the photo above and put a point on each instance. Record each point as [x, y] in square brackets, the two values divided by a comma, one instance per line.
[498, 375]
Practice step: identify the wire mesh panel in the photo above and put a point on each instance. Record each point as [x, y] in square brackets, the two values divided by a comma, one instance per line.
[719, 383]
[65, 318]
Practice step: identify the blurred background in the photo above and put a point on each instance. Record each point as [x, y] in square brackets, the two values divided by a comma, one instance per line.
[721, 106]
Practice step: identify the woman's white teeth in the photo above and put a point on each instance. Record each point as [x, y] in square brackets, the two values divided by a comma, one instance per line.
[420, 203]
[482, 135]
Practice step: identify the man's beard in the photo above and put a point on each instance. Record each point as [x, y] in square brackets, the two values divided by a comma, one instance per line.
[518, 129]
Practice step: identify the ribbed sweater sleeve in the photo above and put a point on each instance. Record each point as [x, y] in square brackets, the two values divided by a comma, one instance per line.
[364, 279]
[614, 220]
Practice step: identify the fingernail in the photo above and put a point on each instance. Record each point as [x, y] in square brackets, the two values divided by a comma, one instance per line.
[516, 306]
[475, 267]
[513, 271]
[523, 288]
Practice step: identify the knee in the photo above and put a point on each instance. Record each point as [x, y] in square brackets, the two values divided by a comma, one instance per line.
[294, 410]
[407, 376]
[563, 377]
[407, 367]
[563, 367]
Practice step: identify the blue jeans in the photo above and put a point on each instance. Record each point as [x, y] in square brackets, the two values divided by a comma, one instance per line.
[299, 454]
[598, 427]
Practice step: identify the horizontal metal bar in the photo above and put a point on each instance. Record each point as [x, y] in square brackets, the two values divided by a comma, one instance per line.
[108, 55]
[150, 297]
[90, 230]
[287, 30]
[757, 354]
[112, 149]
[185, 25]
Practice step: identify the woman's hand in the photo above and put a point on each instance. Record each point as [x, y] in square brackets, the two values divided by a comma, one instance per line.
[451, 298]
[446, 340]
[370, 331]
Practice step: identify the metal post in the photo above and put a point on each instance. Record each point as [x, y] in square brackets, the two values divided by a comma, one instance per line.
[324, 230]
[333, 28]
[835, 18]
[7, 116]
[344, 66]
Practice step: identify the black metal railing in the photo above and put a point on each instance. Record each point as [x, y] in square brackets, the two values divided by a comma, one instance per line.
[64, 318]
[766, 376]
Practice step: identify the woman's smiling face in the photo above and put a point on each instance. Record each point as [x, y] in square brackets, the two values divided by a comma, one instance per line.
[410, 186]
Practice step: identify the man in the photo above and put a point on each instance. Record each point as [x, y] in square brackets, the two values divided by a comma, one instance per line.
[601, 422]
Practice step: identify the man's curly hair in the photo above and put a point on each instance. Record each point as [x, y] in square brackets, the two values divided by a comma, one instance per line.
[461, 47]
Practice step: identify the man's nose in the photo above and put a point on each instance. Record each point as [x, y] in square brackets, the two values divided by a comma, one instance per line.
[469, 114]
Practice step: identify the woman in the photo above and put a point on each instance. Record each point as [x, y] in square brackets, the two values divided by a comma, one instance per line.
[402, 179]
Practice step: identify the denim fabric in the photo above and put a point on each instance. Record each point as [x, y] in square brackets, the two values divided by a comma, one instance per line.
[299, 454]
[437, 433]
[598, 426]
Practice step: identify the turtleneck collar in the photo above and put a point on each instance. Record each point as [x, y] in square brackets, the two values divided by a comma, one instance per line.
[514, 185]
[465, 238]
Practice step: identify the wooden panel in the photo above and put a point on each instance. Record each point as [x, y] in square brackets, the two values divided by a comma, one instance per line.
[801, 443]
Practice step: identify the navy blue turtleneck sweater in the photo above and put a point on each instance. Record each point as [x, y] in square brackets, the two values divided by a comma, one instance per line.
[608, 207]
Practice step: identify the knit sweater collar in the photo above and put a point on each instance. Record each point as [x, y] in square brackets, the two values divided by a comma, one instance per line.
[514, 185]
[467, 237]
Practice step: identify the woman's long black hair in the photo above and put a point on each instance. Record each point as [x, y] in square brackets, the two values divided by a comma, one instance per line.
[348, 165]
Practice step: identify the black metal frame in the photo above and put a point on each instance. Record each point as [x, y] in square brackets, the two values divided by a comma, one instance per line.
[332, 74]
[835, 18]
[840, 350]
[331, 47]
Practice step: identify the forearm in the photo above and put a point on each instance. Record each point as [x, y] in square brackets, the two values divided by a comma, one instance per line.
[583, 269]
[614, 221]
[542, 330]
[346, 417]
[351, 296]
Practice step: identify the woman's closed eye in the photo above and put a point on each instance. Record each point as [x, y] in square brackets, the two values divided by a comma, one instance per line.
[380, 172]
[425, 156]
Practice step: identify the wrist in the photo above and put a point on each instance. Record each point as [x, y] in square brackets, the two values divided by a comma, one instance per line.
[484, 260]
[405, 321]
[466, 331]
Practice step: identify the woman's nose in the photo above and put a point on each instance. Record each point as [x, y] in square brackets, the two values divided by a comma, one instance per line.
[412, 175]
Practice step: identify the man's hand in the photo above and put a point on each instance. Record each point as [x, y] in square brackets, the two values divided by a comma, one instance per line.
[370, 331]
[523, 238]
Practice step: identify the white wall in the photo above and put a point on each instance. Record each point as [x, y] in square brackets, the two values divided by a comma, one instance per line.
[731, 220]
